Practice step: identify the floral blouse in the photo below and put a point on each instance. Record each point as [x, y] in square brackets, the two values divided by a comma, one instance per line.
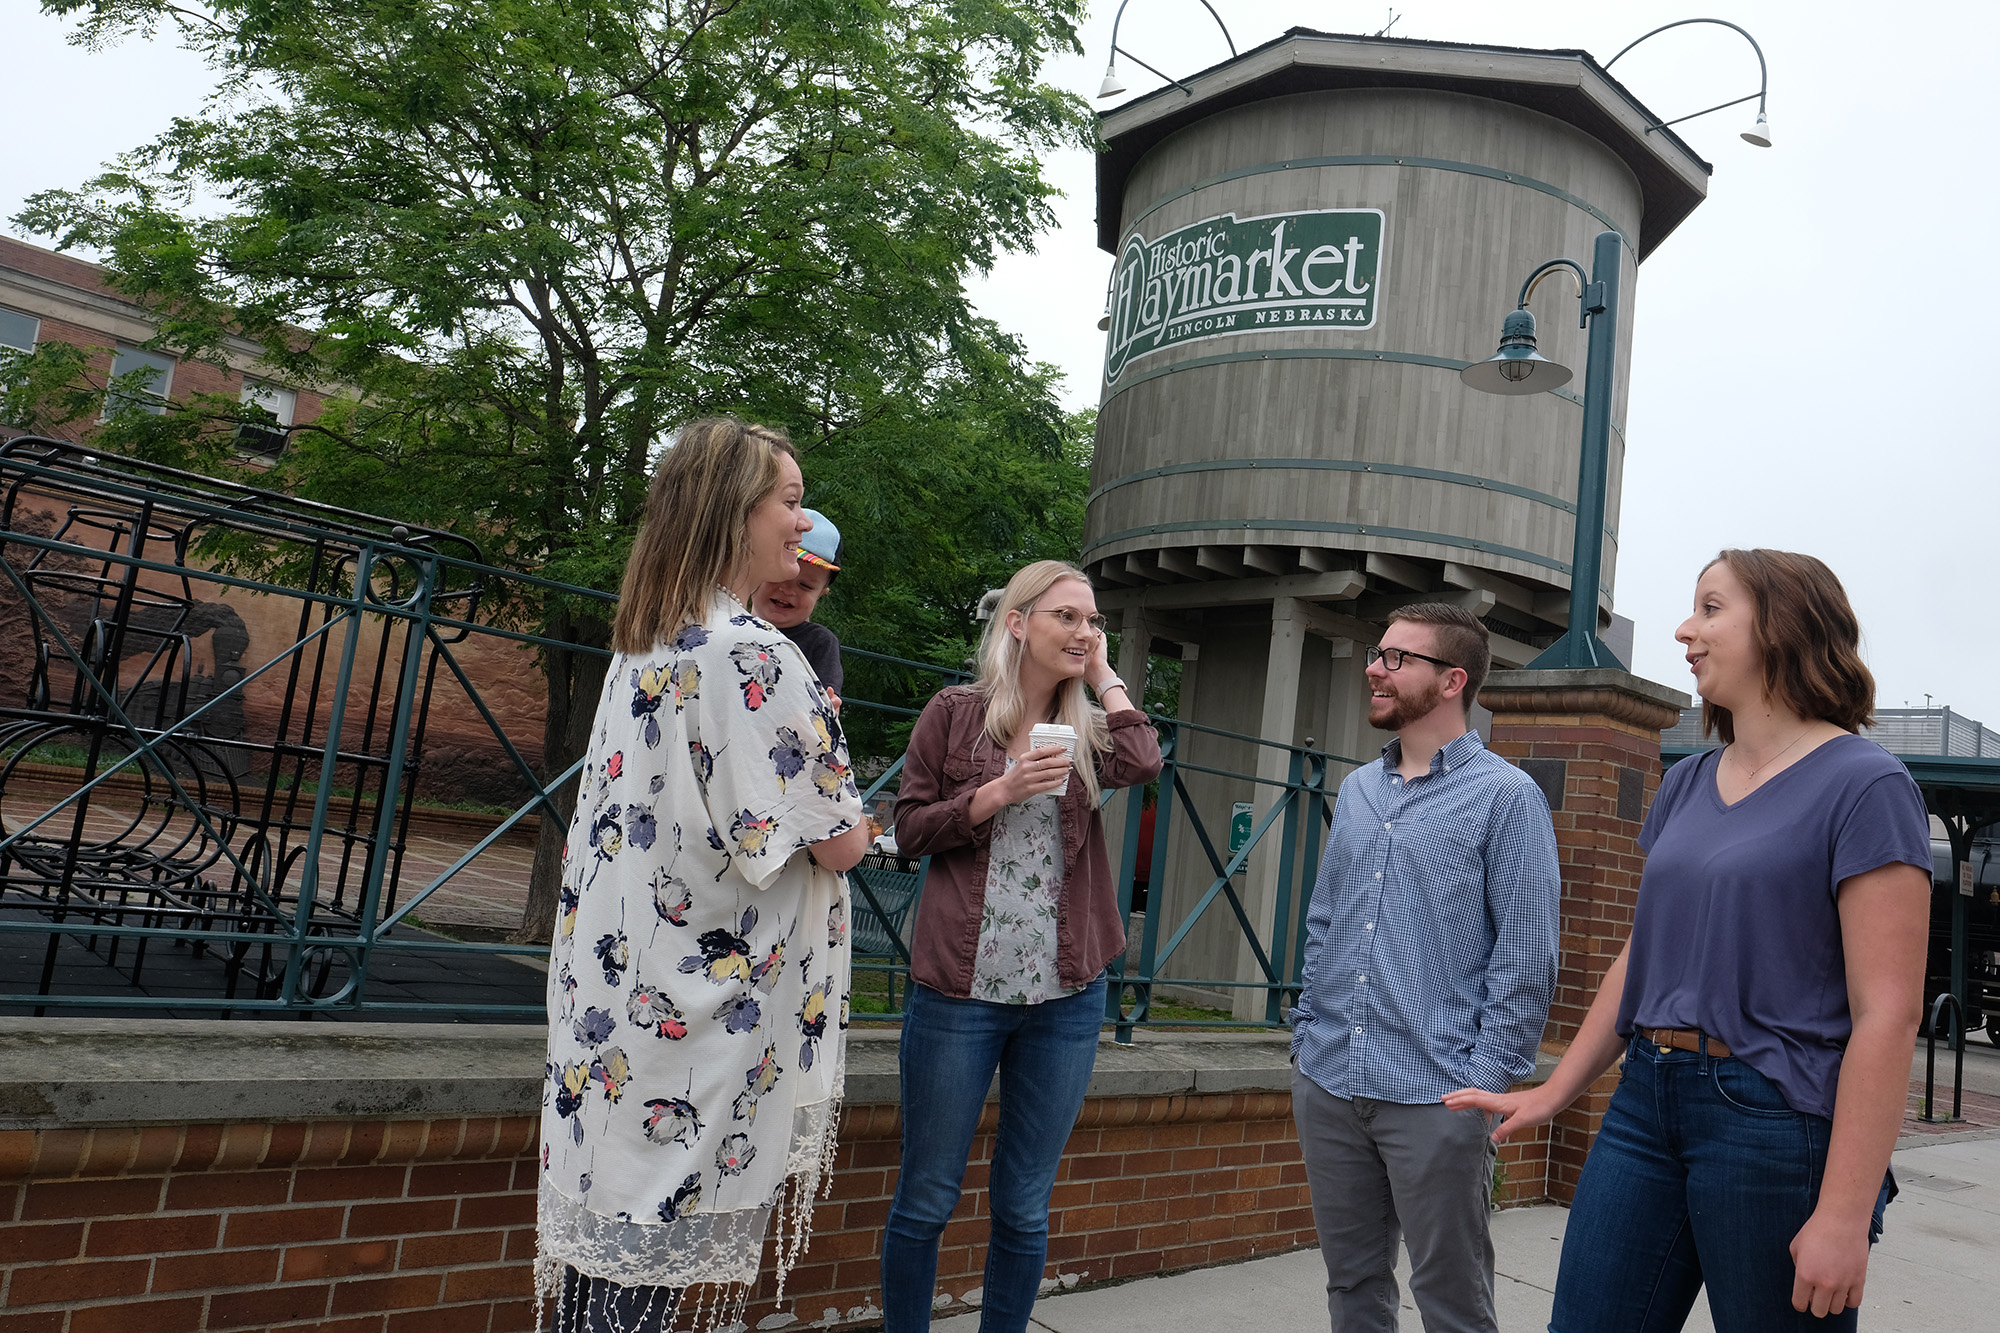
[698, 983]
[1015, 962]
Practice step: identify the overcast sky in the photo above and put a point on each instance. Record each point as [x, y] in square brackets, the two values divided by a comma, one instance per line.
[1808, 343]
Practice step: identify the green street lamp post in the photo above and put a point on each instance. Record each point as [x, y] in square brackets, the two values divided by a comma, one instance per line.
[1517, 368]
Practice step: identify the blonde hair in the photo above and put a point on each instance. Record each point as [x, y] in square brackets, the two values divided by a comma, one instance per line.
[999, 682]
[695, 530]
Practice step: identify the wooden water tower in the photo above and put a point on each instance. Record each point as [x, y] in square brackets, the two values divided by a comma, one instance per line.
[1312, 239]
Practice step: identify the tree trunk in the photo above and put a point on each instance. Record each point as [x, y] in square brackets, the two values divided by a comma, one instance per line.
[576, 680]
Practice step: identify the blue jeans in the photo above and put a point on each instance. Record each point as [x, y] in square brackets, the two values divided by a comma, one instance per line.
[950, 1048]
[1700, 1174]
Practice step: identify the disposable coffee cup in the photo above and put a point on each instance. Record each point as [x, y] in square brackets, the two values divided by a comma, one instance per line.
[1054, 733]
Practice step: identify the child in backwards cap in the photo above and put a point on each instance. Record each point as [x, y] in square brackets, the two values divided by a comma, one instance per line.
[789, 605]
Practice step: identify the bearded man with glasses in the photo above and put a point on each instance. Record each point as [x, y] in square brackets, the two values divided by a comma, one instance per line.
[1430, 963]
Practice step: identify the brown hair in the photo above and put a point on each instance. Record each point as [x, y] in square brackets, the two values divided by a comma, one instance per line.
[1807, 635]
[1461, 640]
[695, 529]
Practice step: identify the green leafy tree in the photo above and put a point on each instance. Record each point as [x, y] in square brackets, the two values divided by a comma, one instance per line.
[932, 516]
[518, 240]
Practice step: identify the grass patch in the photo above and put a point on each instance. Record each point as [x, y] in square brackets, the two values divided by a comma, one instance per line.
[871, 996]
[1163, 1011]
[463, 934]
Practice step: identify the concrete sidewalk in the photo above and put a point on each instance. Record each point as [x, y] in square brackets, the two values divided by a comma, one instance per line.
[1930, 1273]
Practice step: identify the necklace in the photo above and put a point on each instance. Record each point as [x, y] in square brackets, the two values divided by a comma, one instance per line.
[1751, 776]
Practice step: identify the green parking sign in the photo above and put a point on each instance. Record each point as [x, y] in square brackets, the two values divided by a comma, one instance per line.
[1242, 816]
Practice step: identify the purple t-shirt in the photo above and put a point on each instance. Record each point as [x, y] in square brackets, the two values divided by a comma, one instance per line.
[1737, 932]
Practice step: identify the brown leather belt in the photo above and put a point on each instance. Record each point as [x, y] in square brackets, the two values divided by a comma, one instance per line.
[1683, 1039]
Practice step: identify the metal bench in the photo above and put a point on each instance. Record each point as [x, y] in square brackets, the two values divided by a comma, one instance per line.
[882, 896]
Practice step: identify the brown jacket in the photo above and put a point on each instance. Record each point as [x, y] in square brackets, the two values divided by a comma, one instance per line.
[950, 758]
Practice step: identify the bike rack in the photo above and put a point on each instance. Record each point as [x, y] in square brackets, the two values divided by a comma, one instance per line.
[1929, 1116]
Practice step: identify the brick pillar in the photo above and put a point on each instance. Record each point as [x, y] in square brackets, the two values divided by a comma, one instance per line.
[1591, 740]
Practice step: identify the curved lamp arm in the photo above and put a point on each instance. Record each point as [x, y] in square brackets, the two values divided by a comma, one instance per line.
[1763, 76]
[1576, 269]
[1112, 86]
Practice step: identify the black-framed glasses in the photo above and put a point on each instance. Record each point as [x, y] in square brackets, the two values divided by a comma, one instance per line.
[1070, 619]
[1392, 659]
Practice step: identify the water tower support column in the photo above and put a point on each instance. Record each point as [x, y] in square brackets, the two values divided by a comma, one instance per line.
[1278, 722]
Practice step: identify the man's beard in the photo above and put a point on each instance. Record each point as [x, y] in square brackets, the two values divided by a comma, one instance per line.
[1406, 708]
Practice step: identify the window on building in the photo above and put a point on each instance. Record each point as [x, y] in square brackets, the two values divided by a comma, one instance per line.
[152, 374]
[267, 438]
[18, 331]
[17, 334]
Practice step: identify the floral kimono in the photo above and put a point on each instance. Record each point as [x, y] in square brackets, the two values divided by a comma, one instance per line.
[698, 984]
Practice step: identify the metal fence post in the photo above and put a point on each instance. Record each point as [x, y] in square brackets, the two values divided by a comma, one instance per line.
[416, 637]
[1288, 853]
[1317, 817]
[364, 569]
[1128, 863]
[1149, 936]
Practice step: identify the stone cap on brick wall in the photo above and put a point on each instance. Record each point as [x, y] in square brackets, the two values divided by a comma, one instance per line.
[1607, 690]
[78, 1072]
[75, 1073]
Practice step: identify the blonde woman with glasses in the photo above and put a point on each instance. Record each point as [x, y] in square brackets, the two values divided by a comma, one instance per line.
[1018, 919]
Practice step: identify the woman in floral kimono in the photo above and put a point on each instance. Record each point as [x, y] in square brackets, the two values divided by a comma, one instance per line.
[698, 983]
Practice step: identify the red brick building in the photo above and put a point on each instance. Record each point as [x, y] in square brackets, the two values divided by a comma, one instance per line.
[50, 297]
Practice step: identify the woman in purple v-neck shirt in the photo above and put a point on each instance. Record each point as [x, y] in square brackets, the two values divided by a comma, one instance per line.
[1768, 1000]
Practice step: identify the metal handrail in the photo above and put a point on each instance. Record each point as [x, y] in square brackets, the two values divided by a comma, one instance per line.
[367, 718]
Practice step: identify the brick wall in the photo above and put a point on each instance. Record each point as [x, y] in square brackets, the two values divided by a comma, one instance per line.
[51, 264]
[358, 1227]
[381, 1226]
[1146, 1185]
[90, 326]
[1592, 740]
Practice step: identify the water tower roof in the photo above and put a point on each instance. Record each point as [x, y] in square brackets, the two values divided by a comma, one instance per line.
[1569, 86]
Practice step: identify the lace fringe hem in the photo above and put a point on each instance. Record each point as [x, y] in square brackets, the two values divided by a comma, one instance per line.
[705, 1255]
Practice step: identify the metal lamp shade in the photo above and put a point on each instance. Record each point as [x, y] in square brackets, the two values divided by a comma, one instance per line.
[1760, 133]
[1517, 368]
[1112, 85]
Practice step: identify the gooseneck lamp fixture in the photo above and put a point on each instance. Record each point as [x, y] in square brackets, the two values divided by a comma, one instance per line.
[1113, 85]
[1759, 133]
[1517, 368]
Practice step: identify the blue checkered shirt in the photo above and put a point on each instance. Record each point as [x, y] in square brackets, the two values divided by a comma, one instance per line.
[1431, 939]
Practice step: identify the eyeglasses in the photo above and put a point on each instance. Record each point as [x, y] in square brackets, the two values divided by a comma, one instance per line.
[1392, 659]
[1070, 619]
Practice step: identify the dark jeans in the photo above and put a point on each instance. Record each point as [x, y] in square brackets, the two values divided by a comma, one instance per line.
[949, 1051]
[1700, 1174]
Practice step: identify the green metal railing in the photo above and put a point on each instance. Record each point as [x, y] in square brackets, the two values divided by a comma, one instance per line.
[1294, 815]
[266, 866]
[274, 849]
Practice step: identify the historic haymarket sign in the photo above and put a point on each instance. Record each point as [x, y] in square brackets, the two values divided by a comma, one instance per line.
[1316, 270]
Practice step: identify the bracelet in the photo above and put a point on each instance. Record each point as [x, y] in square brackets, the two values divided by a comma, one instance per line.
[1112, 684]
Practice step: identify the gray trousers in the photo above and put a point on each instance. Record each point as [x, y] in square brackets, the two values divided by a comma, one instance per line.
[1382, 1172]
